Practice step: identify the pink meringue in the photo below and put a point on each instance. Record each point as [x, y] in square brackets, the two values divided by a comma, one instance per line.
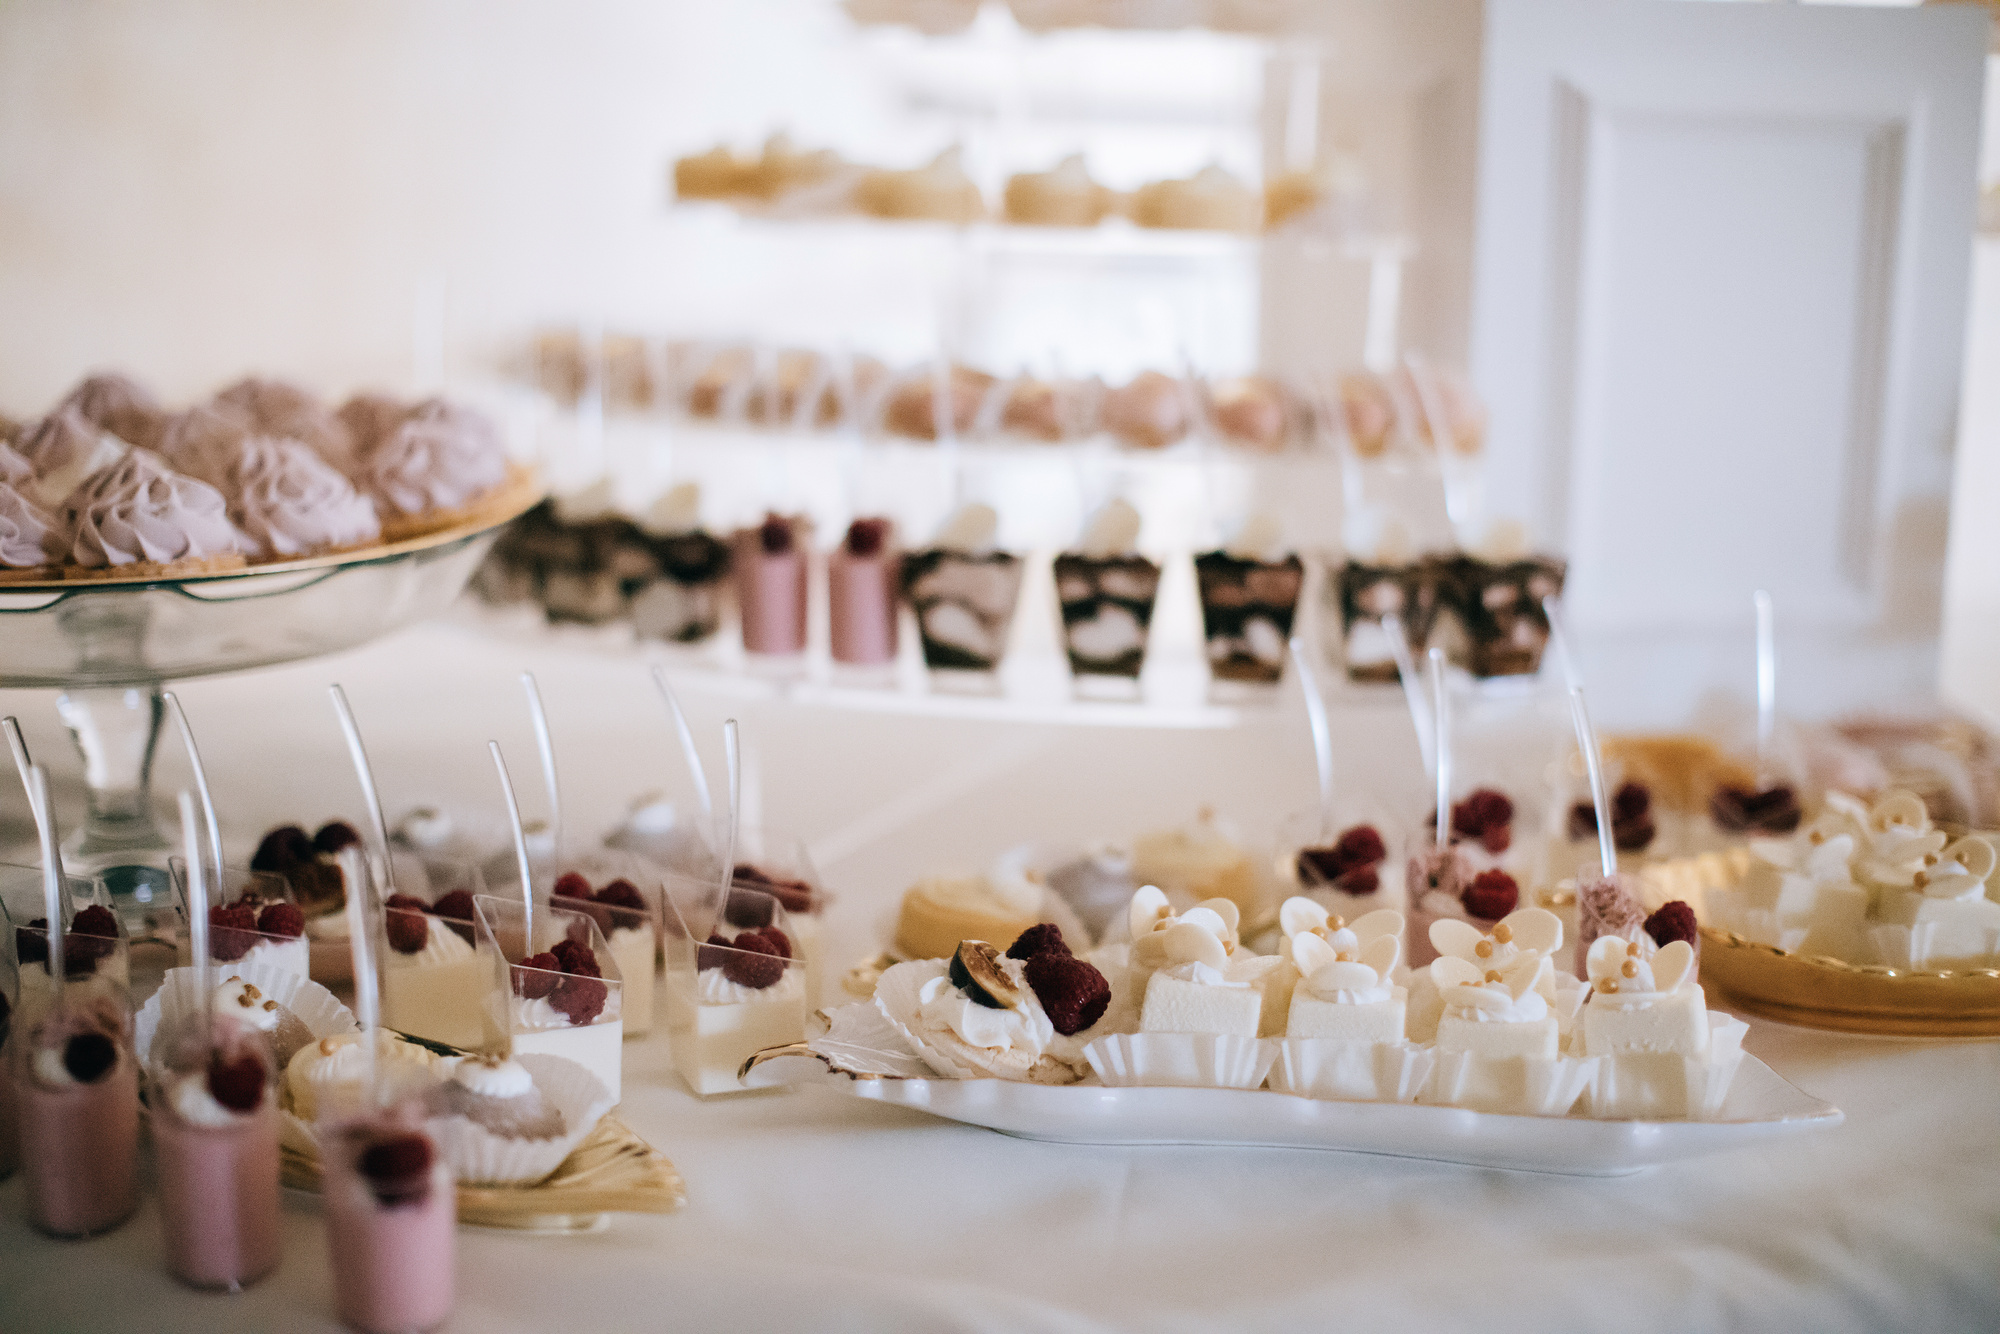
[118, 404]
[15, 470]
[29, 536]
[289, 501]
[141, 510]
[370, 419]
[64, 448]
[279, 409]
[201, 441]
[441, 457]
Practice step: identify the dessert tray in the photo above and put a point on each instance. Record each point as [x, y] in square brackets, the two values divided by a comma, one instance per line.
[1853, 998]
[869, 1060]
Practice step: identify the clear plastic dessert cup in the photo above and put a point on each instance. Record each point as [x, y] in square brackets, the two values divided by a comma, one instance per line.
[434, 983]
[215, 1152]
[77, 1082]
[863, 576]
[97, 950]
[1107, 612]
[631, 933]
[1247, 609]
[772, 575]
[1337, 863]
[391, 1220]
[10, 1004]
[775, 862]
[964, 603]
[734, 983]
[542, 995]
[256, 919]
[1356, 596]
[684, 606]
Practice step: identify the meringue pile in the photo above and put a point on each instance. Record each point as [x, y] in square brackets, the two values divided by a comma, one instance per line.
[1868, 884]
[110, 479]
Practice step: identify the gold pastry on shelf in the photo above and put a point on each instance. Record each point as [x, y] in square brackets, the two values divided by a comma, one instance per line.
[939, 191]
[1064, 196]
[1209, 200]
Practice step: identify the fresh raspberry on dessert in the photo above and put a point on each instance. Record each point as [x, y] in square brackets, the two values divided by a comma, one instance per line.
[87, 1056]
[752, 909]
[535, 976]
[95, 920]
[713, 954]
[1485, 816]
[581, 998]
[571, 885]
[866, 537]
[796, 895]
[755, 962]
[1072, 991]
[1491, 895]
[1361, 880]
[30, 944]
[333, 836]
[1632, 826]
[405, 923]
[456, 905]
[398, 1168]
[238, 1084]
[622, 894]
[775, 938]
[1772, 811]
[282, 849]
[281, 919]
[1042, 938]
[775, 535]
[1673, 921]
[232, 932]
[575, 957]
[1349, 864]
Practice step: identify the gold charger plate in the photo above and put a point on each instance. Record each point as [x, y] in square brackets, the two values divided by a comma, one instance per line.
[1851, 997]
[612, 1172]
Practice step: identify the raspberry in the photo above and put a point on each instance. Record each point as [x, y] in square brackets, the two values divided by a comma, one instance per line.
[775, 536]
[1348, 862]
[778, 939]
[581, 998]
[96, 920]
[238, 1084]
[1485, 816]
[456, 905]
[622, 894]
[405, 924]
[571, 885]
[796, 895]
[1362, 880]
[1045, 938]
[1632, 826]
[865, 537]
[1491, 895]
[398, 1168]
[1072, 992]
[231, 932]
[281, 919]
[749, 908]
[93, 935]
[282, 849]
[713, 954]
[1773, 811]
[754, 962]
[1631, 801]
[333, 836]
[535, 976]
[1674, 921]
[575, 958]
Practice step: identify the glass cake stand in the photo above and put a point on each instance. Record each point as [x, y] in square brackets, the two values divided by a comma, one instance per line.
[111, 645]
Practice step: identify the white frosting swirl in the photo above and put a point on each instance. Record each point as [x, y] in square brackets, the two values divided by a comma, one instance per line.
[65, 450]
[201, 440]
[142, 511]
[492, 1076]
[28, 534]
[439, 458]
[715, 988]
[248, 1005]
[941, 1004]
[441, 945]
[1203, 974]
[194, 1104]
[290, 501]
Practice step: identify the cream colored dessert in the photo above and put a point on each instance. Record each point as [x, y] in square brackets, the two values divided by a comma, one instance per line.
[1493, 1013]
[1344, 991]
[1946, 919]
[998, 906]
[1191, 992]
[324, 1078]
[1524, 933]
[1643, 1004]
[1149, 916]
[437, 990]
[718, 1024]
[1197, 862]
[634, 950]
[539, 1027]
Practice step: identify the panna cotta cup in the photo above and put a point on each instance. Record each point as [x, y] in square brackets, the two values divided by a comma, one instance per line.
[775, 862]
[559, 994]
[255, 920]
[735, 985]
[1247, 609]
[1346, 864]
[77, 1085]
[628, 916]
[434, 983]
[96, 948]
[215, 1152]
[391, 1223]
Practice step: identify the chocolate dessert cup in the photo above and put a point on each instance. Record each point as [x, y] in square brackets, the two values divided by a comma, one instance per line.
[1247, 608]
[964, 603]
[1500, 607]
[684, 605]
[1107, 609]
[1362, 595]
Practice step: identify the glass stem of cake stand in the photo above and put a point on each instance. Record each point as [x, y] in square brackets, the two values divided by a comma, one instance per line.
[117, 729]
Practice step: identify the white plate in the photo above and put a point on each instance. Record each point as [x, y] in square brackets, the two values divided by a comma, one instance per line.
[1760, 1106]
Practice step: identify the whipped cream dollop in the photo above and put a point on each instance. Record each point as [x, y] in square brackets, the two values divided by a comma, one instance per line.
[426, 828]
[491, 1076]
[441, 945]
[65, 449]
[946, 1006]
[439, 458]
[971, 531]
[289, 501]
[1113, 531]
[713, 987]
[675, 511]
[1493, 996]
[197, 1106]
[140, 510]
[534, 1015]
[29, 535]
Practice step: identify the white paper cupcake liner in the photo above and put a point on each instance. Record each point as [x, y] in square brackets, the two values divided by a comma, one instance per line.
[896, 997]
[1512, 1085]
[1335, 1070]
[480, 1157]
[1662, 1086]
[1181, 1060]
[180, 997]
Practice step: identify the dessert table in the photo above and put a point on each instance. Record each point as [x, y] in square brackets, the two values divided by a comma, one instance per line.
[806, 1210]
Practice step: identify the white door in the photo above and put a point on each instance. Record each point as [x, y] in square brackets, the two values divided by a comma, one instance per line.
[1719, 313]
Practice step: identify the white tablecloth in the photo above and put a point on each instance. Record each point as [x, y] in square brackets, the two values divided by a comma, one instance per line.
[807, 1210]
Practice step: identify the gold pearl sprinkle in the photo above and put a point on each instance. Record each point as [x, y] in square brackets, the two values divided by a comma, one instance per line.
[1492, 975]
[1817, 836]
[1503, 933]
[1343, 957]
[270, 1005]
[251, 991]
[1609, 986]
[1336, 922]
[1922, 879]
[1484, 949]
[1930, 859]
[1630, 969]
[1632, 949]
